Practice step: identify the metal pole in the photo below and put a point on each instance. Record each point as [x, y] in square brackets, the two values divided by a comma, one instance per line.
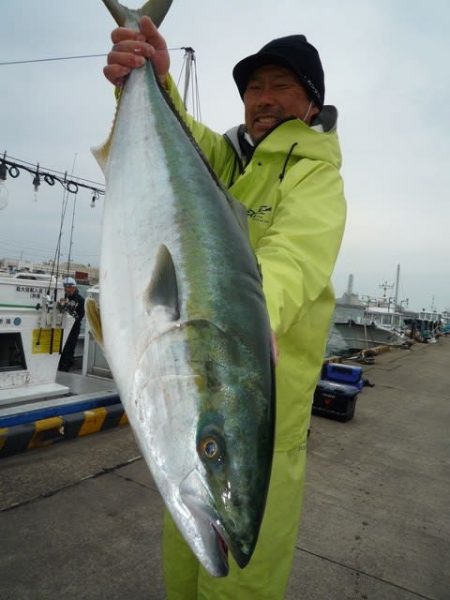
[189, 59]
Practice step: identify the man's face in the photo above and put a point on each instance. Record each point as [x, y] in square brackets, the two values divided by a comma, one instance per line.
[274, 94]
[69, 290]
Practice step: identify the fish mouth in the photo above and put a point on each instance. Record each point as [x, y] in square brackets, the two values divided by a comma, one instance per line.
[215, 543]
[221, 544]
[226, 544]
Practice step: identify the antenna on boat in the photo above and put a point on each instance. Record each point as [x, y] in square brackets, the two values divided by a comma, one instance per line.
[385, 286]
[397, 283]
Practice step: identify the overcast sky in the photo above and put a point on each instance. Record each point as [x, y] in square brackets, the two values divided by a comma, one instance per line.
[386, 66]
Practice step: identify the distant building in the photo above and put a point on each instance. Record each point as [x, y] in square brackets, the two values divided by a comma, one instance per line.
[16, 264]
[83, 274]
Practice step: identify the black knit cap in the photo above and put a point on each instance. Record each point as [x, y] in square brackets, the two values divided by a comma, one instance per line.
[294, 52]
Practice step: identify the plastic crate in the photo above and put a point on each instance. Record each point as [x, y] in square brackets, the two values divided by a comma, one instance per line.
[347, 374]
[334, 400]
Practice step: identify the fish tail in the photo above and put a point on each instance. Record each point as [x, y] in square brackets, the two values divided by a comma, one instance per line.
[155, 9]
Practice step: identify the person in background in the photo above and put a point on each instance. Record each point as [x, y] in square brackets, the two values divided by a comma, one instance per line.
[283, 165]
[74, 305]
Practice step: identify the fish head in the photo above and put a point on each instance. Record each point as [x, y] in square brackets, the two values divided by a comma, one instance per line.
[204, 420]
[234, 442]
[237, 479]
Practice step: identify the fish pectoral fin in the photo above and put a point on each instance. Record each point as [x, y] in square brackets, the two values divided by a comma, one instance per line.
[92, 311]
[163, 288]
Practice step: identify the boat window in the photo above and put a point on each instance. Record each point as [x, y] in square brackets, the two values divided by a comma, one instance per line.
[12, 356]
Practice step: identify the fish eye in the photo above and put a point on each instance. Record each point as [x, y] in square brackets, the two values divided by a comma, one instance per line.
[209, 448]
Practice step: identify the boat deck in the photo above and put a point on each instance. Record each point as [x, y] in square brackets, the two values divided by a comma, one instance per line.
[84, 516]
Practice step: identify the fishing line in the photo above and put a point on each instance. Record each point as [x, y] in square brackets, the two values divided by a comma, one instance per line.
[57, 256]
[56, 58]
[36, 60]
[75, 196]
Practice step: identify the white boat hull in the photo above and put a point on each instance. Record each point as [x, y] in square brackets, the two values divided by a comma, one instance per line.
[33, 332]
[359, 336]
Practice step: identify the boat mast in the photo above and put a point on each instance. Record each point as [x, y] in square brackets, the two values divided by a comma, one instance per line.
[397, 283]
[191, 83]
[189, 58]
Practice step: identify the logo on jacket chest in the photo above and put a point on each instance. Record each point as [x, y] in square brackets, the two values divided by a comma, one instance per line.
[261, 214]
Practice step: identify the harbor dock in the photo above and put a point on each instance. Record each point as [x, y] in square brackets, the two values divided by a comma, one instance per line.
[82, 519]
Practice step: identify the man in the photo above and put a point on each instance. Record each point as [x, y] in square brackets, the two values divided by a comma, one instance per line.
[283, 165]
[74, 304]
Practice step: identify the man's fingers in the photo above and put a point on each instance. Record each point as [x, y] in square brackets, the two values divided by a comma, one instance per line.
[149, 29]
[148, 33]
[126, 59]
[116, 74]
[131, 48]
[151, 33]
[134, 47]
[124, 33]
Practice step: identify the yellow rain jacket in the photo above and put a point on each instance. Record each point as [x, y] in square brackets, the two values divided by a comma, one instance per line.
[293, 193]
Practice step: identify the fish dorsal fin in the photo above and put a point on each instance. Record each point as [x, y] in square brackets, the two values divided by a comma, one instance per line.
[163, 288]
[101, 152]
[92, 311]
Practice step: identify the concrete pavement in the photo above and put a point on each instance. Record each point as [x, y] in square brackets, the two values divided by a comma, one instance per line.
[82, 519]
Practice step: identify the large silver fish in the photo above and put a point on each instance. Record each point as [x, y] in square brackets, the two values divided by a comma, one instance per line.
[184, 322]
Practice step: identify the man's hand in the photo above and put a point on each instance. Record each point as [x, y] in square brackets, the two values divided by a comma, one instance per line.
[131, 49]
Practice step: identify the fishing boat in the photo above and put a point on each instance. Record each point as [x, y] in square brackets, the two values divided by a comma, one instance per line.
[33, 329]
[359, 325]
[34, 326]
[359, 336]
[40, 405]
